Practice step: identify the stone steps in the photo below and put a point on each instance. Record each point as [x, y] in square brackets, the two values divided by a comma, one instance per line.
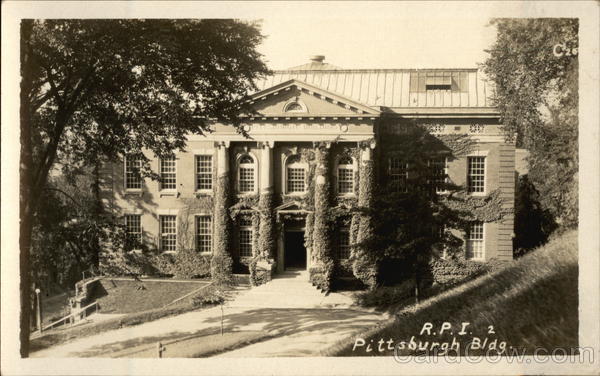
[290, 289]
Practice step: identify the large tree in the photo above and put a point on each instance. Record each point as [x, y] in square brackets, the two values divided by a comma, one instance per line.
[92, 90]
[534, 65]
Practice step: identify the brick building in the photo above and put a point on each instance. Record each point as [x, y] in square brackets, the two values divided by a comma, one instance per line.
[317, 126]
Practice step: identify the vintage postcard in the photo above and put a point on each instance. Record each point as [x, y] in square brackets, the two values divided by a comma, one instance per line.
[300, 188]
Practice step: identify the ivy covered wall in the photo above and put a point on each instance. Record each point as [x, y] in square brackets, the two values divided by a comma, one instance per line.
[324, 211]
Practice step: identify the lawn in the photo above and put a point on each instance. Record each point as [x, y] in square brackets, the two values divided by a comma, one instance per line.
[55, 307]
[202, 299]
[128, 296]
[532, 302]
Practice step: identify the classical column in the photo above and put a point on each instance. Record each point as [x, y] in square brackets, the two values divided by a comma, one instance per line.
[222, 158]
[365, 268]
[366, 175]
[221, 262]
[321, 272]
[266, 237]
[266, 169]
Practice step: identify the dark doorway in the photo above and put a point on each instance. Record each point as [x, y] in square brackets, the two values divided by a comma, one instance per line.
[294, 251]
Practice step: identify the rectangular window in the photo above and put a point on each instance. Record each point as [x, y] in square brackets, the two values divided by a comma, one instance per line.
[204, 173]
[204, 234]
[295, 179]
[133, 226]
[423, 81]
[345, 180]
[245, 242]
[476, 174]
[344, 244]
[246, 179]
[475, 241]
[438, 232]
[168, 178]
[399, 174]
[437, 174]
[168, 232]
[133, 166]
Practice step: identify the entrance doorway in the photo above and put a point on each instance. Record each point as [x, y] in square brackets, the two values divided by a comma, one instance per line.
[294, 250]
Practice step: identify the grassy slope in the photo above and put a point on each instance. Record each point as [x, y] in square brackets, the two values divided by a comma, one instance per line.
[123, 296]
[65, 334]
[532, 302]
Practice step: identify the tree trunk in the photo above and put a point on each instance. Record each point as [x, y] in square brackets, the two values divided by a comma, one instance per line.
[417, 282]
[25, 199]
[98, 211]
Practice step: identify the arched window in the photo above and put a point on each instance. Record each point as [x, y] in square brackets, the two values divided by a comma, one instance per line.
[295, 173]
[345, 176]
[296, 106]
[246, 174]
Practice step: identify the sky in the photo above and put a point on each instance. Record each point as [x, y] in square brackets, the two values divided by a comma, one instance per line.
[377, 40]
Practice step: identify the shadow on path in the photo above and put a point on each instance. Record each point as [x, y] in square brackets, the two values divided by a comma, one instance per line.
[286, 321]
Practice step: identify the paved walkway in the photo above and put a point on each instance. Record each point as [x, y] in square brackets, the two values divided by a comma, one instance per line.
[303, 320]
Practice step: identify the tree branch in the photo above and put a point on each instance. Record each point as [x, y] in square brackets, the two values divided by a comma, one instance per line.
[64, 193]
[53, 88]
[79, 87]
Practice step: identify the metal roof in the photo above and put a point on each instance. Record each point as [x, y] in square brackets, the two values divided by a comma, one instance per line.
[387, 87]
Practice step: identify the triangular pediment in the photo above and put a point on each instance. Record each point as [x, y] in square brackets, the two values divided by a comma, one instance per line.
[290, 206]
[295, 98]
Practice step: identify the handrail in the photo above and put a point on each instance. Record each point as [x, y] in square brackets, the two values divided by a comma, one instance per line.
[72, 314]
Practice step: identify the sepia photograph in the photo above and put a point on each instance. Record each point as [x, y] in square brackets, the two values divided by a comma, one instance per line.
[215, 185]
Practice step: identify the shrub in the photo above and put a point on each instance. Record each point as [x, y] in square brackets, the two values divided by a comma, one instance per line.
[385, 296]
[321, 275]
[454, 270]
[119, 263]
[259, 275]
[221, 269]
[208, 296]
[188, 263]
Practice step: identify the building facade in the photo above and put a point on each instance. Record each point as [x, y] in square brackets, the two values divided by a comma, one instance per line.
[322, 137]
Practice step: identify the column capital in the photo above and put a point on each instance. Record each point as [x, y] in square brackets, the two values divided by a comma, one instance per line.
[322, 144]
[371, 144]
[268, 144]
[224, 144]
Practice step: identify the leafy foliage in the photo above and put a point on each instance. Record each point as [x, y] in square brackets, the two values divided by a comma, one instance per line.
[93, 90]
[66, 232]
[222, 263]
[533, 224]
[453, 270]
[537, 96]
[386, 296]
[322, 273]
[259, 275]
[411, 223]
